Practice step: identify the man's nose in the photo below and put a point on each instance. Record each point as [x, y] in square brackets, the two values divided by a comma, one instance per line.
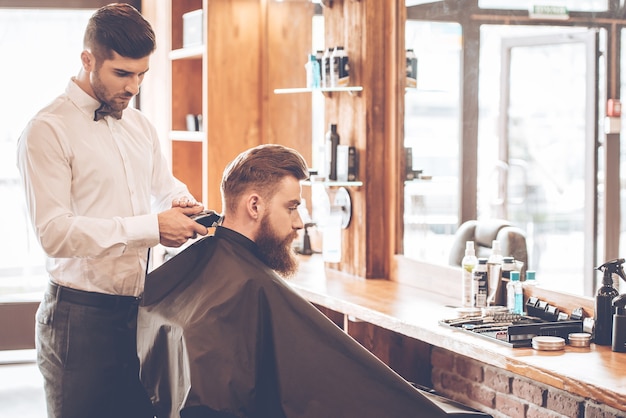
[133, 85]
[297, 223]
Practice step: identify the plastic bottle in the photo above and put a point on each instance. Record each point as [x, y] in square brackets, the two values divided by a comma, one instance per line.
[326, 60]
[340, 69]
[508, 265]
[496, 252]
[510, 296]
[479, 284]
[603, 326]
[332, 141]
[468, 263]
[312, 73]
[319, 57]
[411, 69]
[531, 280]
[495, 289]
[518, 295]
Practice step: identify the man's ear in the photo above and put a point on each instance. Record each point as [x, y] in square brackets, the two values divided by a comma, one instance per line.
[254, 206]
[88, 60]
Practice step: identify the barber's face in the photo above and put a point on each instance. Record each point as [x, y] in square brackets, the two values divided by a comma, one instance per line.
[116, 81]
[279, 227]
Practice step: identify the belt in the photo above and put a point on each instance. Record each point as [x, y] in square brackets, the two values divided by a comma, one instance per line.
[97, 300]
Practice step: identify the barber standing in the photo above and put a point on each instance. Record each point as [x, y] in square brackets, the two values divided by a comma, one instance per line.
[100, 195]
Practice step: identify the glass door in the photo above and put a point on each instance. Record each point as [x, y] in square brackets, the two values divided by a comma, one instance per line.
[548, 152]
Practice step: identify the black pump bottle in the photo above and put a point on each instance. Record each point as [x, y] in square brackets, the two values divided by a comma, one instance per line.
[619, 324]
[603, 328]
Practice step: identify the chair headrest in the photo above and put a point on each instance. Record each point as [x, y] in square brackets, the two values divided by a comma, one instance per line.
[487, 230]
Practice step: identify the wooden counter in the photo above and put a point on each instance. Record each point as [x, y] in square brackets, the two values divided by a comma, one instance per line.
[595, 373]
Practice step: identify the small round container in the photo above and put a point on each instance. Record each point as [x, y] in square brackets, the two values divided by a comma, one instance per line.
[579, 339]
[467, 312]
[548, 343]
[494, 310]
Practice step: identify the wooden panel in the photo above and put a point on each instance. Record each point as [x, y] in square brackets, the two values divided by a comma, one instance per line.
[17, 325]
[336, 317]
[233, 85]
[287, 117]
[566, 302]
[186, 91]
[187, 164]
[442, 282]
[369, 121]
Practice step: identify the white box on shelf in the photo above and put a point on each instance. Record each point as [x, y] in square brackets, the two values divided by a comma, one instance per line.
[193, 28]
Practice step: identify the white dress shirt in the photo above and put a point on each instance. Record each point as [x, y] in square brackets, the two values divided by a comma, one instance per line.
[91, 188]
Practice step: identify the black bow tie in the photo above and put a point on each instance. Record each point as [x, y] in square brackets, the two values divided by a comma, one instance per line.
[106, 110]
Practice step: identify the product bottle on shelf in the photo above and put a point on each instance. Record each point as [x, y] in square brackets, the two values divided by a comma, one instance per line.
[332, 141]
[479, 284]
[411, 68]
[603, 324]
[319, 57]
[515, 297]
[510, 296]
[531, 279]
[508, 265]
[468, 263]
[326, 67]
[312, 73]
[495, 291]
[340, 69]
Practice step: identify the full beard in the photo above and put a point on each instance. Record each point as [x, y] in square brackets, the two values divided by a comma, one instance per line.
[108, 102]
[277, 252]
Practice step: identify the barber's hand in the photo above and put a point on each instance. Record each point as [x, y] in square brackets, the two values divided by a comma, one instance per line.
[186, 202]
[175, 226]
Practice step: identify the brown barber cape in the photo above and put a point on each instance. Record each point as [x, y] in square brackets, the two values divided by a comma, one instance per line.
[222, 335]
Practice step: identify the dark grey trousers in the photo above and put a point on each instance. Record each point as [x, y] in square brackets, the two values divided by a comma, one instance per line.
[88, 357]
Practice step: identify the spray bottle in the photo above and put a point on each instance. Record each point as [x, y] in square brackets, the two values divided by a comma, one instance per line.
[603, 327]
[467, 264]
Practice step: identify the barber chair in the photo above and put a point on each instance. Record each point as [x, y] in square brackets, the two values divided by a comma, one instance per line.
[483, 232]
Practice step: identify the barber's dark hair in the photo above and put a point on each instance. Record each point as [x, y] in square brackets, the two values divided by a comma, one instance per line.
[121, 28]
[261, 168]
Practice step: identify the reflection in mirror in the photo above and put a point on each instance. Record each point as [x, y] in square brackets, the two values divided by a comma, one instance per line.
[537, 160]
[431, 133]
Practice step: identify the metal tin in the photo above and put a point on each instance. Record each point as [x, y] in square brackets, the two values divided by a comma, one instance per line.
[579, 339]
[467, 312]
[494, 310]
[548, 343]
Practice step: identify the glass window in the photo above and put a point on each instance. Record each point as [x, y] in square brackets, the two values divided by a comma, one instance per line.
[539, 182]
[43, 48]
[431, 133]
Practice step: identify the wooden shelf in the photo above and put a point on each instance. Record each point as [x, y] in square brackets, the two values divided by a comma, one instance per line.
[189, 136]
[193, 52]
[333, 183]
[349, 89]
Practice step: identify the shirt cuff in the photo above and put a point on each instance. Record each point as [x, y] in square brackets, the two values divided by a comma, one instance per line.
[142, 231]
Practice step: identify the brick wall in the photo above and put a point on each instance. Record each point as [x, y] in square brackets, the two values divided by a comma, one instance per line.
[505, 394]
[483, 387]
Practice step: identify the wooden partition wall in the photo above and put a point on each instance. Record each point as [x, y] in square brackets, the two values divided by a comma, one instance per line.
[373, 35]
[250, 48]
[255, 46]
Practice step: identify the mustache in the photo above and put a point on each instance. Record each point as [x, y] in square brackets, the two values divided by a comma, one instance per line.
[292, 236]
